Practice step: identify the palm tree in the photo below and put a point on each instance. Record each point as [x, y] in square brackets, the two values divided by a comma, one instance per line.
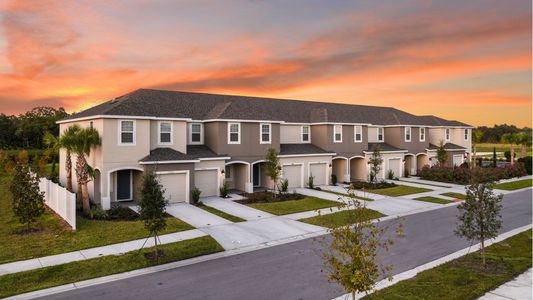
[84, 140]
[524, 140]
[511, 139]
[476, 139]
[64, 141]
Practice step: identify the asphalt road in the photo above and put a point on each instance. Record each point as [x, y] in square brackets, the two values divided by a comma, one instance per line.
[293, 271]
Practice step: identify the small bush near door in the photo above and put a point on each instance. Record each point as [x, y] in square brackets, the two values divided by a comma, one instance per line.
[405, 172]
[284, 186]
[333, 179]
[311, 182]
[390, 174]
[224, 190]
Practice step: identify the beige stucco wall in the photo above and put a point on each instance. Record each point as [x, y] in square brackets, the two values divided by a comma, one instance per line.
[395, 136]
[291, 134]
[458, 138]
[359, 168]
[436, 136]
[322, 136]
[373, 135]
[341, 169]
[179, 136]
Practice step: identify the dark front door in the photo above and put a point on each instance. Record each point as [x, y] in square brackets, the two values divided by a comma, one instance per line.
[257, 175]
[124, 185]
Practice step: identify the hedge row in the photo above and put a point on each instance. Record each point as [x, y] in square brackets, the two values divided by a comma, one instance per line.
[464, 175]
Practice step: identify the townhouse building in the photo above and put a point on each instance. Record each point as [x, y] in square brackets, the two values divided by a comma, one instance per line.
[202, 140]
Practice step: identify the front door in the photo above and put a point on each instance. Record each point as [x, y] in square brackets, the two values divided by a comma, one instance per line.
[257, 175]
[124, 185]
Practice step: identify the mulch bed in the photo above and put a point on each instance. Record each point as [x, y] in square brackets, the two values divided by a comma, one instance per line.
[268, 197]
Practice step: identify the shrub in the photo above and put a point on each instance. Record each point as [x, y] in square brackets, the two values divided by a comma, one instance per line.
[466, 175]
[333, 179]
[311, 182]
[224, 190]
[23, 157]
[195, 195]
[507, 155]
[405, 172]
[97, 213]
[390, 174]
[359, 185]
[527, 163]
[284, 186]
[265, 196]
[28, 200]
[122, 213]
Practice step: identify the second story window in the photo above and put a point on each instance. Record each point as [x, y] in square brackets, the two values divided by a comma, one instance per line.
[265, 133]
[234, 133]
[407, 134]
[358, 133]
[422, 134]
[195, 132]
[466, 134]
[337, 133]
[447, 136]
[165, 132]
[305, 134]
[127, 132]
[380, 134]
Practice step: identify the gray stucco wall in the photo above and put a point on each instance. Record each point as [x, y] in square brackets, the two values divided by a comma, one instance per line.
[322, 136]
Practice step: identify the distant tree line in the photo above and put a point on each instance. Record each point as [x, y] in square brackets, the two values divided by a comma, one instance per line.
[494, 134]
[27, 130]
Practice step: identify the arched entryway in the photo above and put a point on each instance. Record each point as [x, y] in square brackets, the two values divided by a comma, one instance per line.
[358, 169]
[410, 164]
[260, 180]
[339, 167]
[237, 175]
[124, 184]
[422, 160]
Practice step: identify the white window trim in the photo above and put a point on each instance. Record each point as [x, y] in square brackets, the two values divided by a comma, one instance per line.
[308, 134]
[134, 139]
[238, 135]
[382, 134]
[335, 133]
[465, 134]
[355, 134]
[447, 134]
[201, 142]
[422, 129]
[159, 133]
[261, 133]
[407, 129]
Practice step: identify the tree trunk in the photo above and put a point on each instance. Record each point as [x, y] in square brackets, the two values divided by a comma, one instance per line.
[522, 150]
[474, 156]
[85, 198]
[82, 174]
[483, 252]
[512, 155]
[156, 252]
[353, 295]
[68, 168]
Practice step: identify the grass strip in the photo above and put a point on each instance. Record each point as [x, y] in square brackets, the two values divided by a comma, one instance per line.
[464, 278]
[294, 206]
[455, 195]
[424, 183]
[340, 218]
[433, 200]
[514, 185]
[346, 195]
[221, 214]
[28, 281]
[54, 238]
[400, 190]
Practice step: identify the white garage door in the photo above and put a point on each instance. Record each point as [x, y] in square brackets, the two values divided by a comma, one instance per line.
[394, 165]
[175, 186]
[319, 172]
[294, 175]
[207, 182]
[457, 160]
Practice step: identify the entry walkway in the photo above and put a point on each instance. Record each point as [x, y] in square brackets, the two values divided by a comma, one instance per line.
[195, 216]
[516, 289]
[236, 209]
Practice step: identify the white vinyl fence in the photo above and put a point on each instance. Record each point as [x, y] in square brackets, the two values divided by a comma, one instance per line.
[59, 200]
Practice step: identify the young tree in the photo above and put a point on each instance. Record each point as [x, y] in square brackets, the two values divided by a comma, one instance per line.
[494, 159]
[375, 161]
[153, 207]
[272, 168]
[524, 140]
[476, 139]
[442, 155]
[351, 257]
[84, 141]
[511, 139]
[479, 216]
[28, 200]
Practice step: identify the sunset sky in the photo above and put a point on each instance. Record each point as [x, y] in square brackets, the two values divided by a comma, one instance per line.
[464, 60]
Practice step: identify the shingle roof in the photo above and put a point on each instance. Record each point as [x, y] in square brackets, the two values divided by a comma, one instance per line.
[293, 149]
[201, 106]
[383, 147]
[194, 152]
[447, 146]
[436, 121]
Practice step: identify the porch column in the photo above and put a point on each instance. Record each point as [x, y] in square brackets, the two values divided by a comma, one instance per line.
[105, 192]
[249, 185]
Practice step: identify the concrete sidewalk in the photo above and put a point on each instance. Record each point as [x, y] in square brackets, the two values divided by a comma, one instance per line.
[113, 249]
[518, 288]
[235, 209]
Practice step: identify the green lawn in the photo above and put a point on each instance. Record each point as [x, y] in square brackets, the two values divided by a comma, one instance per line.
[27, 281]
[55, 239]
[455, 195]
[488, 147]
[294, 206]
[346, 195]
[340, 218]
[514, 185]
[463, 278]
[433, 200]
[400, 190]
[221, 214]
[431, 184]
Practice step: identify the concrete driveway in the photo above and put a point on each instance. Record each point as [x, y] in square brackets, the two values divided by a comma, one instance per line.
[195, 216]
[236, 209]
